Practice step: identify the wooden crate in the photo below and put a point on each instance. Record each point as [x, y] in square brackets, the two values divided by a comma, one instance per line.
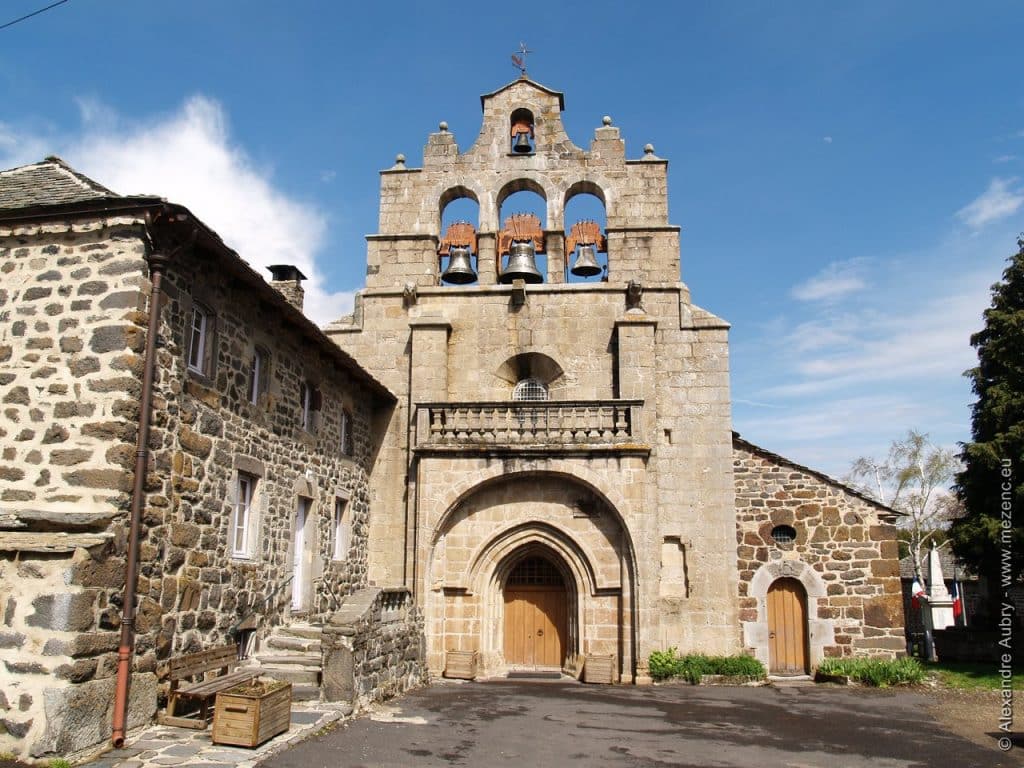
[599, 669]
[460, 665]
[247, 720]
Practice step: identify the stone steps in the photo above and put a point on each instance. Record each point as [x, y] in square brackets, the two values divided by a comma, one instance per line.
[292, 654]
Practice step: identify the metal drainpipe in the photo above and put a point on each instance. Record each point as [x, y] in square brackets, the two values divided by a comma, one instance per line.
[157, 266]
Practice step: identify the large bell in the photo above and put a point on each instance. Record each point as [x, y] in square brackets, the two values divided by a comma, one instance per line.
[521, 264]
[522, 144]
[586, 262]
[460, 267]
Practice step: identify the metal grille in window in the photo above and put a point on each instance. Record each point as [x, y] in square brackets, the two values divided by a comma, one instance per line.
[530, 389]
[784, 534]
[535, 570]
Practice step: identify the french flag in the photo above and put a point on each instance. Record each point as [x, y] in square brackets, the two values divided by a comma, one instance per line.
[958, 603]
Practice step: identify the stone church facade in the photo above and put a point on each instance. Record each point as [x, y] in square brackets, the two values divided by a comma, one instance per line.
[519, 444]
[608, 512]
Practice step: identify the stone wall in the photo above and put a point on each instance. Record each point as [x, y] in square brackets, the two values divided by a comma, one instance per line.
[845, 555]
[71, 333]
[373, 648]
[206, 431]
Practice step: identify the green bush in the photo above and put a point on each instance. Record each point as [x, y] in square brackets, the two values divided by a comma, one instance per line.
[879, 673]
[664, 665]
[59, 762]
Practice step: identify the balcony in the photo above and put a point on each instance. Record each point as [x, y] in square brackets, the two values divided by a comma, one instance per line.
[531, 427]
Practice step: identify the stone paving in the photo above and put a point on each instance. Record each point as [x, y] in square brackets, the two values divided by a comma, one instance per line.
[164, 745]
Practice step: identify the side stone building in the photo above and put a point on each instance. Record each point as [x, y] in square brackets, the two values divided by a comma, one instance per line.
[254, 508]
[561, 466]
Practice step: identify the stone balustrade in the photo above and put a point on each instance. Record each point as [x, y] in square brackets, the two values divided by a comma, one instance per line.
[548, 424]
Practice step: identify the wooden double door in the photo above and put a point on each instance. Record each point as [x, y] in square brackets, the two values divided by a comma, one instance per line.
[535, 625]
[536, 614]
[787, 628]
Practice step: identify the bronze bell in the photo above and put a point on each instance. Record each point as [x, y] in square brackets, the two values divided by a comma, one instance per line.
[522, 144]
[460, 266]
[586, 262]
[522, 264]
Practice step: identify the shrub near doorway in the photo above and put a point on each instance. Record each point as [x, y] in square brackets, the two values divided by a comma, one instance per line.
[666, 665]
[879, 673]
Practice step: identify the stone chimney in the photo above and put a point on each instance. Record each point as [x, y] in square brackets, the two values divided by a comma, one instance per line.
[287, 279]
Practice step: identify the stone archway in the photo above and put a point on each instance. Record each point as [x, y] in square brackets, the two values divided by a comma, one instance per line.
[492, 529]
[819, 632]
[539, 625]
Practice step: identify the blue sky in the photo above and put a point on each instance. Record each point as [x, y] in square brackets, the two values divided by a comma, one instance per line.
[848, 176]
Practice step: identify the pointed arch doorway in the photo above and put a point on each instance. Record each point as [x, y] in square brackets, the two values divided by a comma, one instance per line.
[536, 615]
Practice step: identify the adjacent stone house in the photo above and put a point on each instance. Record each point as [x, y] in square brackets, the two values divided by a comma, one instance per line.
[255, 507]
[561, 466]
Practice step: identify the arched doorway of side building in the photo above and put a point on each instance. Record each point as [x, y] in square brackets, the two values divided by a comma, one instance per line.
[787, 627]
[536, 614]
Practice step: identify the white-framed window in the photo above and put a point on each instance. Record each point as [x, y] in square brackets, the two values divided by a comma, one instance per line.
[243, 522]
[348, 443]
[202, 329]
[530, 389]
[341, 530]
[198, 340]
[310, 402]
[258, 374]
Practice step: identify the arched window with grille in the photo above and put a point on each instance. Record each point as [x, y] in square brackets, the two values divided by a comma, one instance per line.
[530, 389]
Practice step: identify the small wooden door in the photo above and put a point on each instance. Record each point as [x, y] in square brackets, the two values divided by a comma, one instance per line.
[535, 615]
[787, 628]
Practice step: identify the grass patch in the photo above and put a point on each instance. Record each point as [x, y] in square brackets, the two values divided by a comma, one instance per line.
[665, 665]
[880, 673]
[59, 762]
[973, 675]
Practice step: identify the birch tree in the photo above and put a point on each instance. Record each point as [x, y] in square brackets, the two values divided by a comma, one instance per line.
[913, 479]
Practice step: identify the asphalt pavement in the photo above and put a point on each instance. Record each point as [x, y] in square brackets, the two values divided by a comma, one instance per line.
[499, 723]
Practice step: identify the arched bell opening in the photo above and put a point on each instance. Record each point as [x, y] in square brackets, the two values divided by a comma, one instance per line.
[538, 612]
[521, 243]
[521, 132]
[458, 252]
[586, 250]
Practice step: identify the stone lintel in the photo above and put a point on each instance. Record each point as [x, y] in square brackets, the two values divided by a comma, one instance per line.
[50, 542]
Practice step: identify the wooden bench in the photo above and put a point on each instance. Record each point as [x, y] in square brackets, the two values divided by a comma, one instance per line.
[196, 665]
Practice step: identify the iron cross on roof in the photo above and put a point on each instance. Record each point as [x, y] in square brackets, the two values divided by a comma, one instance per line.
[519, 58]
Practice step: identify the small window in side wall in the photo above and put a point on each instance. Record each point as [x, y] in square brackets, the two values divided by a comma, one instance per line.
[341, 530]
[259, 374]
[202, 331]
[243, 519]
[348, 442]
[310, 401]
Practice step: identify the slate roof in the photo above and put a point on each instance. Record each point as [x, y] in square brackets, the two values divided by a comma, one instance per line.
[50, 182]
[946, 561]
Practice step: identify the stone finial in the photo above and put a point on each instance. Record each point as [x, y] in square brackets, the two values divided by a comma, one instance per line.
[648, 149]
[606, 120]
[399, 160]
[442, 126]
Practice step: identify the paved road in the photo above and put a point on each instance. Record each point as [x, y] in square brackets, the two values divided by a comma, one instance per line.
[565, 724]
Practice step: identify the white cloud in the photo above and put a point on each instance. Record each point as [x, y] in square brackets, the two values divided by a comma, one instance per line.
[868, 347]
[190, 158]
[827, 139]
[997, 202]
[838, 279]
[1005, 159]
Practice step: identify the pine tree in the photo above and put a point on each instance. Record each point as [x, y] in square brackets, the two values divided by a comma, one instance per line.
[991, 486]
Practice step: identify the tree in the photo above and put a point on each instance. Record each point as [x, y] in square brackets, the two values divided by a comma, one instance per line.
[991, 485]
[913, 479]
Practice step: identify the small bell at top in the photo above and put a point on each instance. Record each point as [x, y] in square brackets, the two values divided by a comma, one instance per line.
[522, 144]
